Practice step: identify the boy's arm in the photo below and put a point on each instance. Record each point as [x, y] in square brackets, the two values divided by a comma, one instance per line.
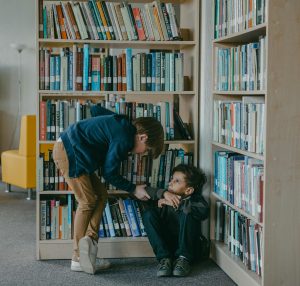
[117, 152]
[155, 193]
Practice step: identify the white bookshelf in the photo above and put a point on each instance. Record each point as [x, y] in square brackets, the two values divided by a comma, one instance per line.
[188, 109]
[281, 225]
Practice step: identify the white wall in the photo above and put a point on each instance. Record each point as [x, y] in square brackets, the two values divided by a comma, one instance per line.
[206, 96]
[17, 25]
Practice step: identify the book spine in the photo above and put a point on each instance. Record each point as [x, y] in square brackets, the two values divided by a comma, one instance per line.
[114, 21]
[139, 217]
[109, 221]
[129, 69]
[124, 217]
[100, 27]
[43, 214]
[131, 218]
[72, 19]
[149, 72]
[120, 20]
[108, 20]
[85, 77]
[138, 22]
[115, 220]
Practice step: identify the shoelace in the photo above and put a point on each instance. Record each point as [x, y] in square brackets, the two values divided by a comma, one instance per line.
[164, 263]
[181, 263]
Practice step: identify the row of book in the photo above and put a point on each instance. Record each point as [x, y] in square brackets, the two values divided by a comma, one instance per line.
[172, 122]
[121, 218]
[240, 180]
[102, 20]
[240, 124]
[57, 115]
[232, 16]
[49, 177]
[57, 218]
[138, 169]
[242, 235]
[153, 172]
[88, 68]
[241, 68]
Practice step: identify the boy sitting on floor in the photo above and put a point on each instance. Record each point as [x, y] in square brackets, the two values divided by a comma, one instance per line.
[173, 222]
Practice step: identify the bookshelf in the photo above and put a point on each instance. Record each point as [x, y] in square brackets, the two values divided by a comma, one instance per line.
[187, 100]
[280, 226]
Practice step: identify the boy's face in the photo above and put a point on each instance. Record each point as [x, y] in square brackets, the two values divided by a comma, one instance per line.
[178, 186]
[140, 146]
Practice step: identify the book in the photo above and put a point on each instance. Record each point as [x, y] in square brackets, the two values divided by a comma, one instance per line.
[182, 128]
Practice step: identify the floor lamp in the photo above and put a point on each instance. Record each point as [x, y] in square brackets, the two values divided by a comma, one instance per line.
[19, 48]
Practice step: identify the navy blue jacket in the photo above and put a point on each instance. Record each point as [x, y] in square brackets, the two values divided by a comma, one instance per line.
[102, 141]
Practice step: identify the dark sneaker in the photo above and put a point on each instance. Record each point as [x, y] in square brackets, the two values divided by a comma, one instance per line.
[181, 267]
[164, 267]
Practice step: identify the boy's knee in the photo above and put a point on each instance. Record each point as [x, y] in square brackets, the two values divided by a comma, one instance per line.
[88, 206]
[187, 217]
[148, 214]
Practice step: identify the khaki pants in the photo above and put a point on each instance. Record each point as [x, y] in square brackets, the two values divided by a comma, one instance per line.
[90, 194]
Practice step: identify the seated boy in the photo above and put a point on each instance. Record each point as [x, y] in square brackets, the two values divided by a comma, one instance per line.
[173, 222]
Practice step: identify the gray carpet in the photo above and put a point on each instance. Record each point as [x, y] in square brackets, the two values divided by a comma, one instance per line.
[18, 265]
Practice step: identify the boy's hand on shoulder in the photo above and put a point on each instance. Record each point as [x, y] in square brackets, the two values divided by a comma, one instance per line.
[173, 199]
[140, 193]
[162, 202]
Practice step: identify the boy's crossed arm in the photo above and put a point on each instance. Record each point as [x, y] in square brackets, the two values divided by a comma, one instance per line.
[164, 197]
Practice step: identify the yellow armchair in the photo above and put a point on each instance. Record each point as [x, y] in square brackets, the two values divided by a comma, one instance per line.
[19, 166]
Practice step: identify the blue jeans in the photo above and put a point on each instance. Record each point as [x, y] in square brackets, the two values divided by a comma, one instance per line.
[171, 233]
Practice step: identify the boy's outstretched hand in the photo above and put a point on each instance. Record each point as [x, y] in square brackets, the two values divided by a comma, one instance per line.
[140, 193]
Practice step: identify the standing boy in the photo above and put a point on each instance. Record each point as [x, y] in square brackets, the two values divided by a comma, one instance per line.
[173, 222]
[102, 141]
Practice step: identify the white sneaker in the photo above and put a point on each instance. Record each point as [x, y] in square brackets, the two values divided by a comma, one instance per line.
[88, 249]
[75, 266]
[101, 264]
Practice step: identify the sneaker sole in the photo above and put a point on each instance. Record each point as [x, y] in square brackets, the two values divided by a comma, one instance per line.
[180, 274]
[76, 269]
[163, 274]
[85, 261]
[103, 265]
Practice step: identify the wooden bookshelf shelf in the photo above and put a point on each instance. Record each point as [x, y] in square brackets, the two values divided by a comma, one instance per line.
[116, 247]
[101, 240]
[239, 151]
[167, 45]
[135, 1]
[241, 211]
[49, 93]
[55, 193]
[233, 266]
[110, 192]
[244, 36]
[189, 142]
[237, 93]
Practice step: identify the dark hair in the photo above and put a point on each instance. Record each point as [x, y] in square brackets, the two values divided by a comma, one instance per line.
[194, 177]
[155, 132]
